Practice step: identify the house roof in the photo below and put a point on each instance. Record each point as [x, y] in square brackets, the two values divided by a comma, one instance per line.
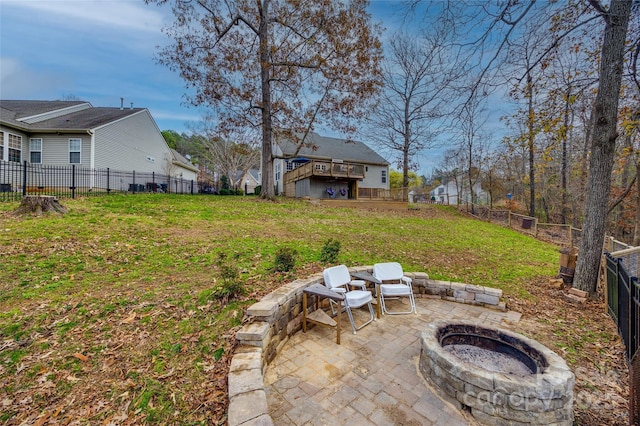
[326, 148]
[182, 161]
[252, 173]
[43, 116]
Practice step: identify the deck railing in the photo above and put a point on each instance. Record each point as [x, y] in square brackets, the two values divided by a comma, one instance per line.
[325, 169]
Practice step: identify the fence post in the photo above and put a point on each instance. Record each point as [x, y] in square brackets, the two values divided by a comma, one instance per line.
[24, 178]
[108, 181]
[570, 236]
[192, 187]
[134, 182]
[73, 181]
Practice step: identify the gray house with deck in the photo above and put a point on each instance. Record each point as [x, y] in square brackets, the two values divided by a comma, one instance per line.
[330, 168]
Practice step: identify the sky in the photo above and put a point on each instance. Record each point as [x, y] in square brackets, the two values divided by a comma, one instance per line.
[104, 52]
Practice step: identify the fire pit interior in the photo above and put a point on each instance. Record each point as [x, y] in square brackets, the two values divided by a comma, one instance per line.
[498, 376]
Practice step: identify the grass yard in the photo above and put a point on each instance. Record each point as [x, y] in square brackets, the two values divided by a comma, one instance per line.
[124, 309]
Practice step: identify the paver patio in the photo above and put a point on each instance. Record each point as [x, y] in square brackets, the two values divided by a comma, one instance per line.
[372, 377]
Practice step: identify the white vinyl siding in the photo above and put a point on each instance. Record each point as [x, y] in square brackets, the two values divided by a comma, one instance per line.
[35, 151]
[373, 177]
[75, 150]
[134, 144]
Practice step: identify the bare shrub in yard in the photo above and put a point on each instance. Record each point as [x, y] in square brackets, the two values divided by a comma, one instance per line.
[285, 259]
[229, 283]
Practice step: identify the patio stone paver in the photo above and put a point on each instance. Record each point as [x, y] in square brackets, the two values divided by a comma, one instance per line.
[372, 377]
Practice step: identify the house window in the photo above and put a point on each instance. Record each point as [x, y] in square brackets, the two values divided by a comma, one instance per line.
[290, 166]
[75, 145]
[15, 148]
[321, 167]
[440, 190]
[383, 176]
[277, 177]
[35, 151]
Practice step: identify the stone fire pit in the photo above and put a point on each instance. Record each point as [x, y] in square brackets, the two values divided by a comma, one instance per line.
[500, 377]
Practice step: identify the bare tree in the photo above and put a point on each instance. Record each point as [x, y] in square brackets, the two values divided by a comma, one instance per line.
[472, 143]
[418, 74]
[272, 64]
[502, 23]
[233, 155]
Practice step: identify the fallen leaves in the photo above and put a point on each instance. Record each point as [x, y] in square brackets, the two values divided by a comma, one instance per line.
[81, 357]
[129, 319]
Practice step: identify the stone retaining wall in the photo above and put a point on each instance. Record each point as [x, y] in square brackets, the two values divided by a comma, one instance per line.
[278, 315]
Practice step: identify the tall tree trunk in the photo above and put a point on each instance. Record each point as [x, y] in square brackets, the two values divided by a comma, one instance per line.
[636, 228]
[407, 144]
[268, 190]
[563, 167]
[531, 146]
[603, 144]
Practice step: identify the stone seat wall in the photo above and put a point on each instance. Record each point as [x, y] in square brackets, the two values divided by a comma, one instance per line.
[278, 315]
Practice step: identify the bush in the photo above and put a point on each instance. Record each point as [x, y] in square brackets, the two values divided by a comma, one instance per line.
[257, 190]
[230, 283]
[224, 191]
[285, 259]
[330, 251]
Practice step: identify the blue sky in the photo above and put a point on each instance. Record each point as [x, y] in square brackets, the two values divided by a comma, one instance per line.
[98, 51]
[103, 50]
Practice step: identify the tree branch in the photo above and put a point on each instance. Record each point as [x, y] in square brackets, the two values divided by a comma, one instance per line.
[622, 196]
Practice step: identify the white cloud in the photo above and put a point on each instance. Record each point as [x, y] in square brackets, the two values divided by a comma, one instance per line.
[17, 80]
[112, 14]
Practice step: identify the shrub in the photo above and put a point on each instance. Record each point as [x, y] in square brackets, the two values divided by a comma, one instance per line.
[285, 259]
[230, 283]
[330, 251]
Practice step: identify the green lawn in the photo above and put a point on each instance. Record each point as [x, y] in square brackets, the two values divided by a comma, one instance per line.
[121, 308]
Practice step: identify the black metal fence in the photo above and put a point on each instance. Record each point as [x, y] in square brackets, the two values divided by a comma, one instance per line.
[623, 300]
[19, 179]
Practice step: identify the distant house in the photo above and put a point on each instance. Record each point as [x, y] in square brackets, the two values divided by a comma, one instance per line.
[329, 168]
[250, 180]
[456, 192]
[76, 133]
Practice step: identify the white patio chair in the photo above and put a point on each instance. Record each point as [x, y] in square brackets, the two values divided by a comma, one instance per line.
[394, 285]
[338, 279]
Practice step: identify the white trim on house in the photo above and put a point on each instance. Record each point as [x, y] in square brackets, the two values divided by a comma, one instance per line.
[53, 114]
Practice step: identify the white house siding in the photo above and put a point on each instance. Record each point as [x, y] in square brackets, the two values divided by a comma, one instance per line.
[133, 143]
[373, 177]
[55, 148]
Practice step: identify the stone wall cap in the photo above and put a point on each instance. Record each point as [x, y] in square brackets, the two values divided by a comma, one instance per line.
[254, 331]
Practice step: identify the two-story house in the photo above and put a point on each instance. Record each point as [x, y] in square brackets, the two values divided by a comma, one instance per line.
[327, 167]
